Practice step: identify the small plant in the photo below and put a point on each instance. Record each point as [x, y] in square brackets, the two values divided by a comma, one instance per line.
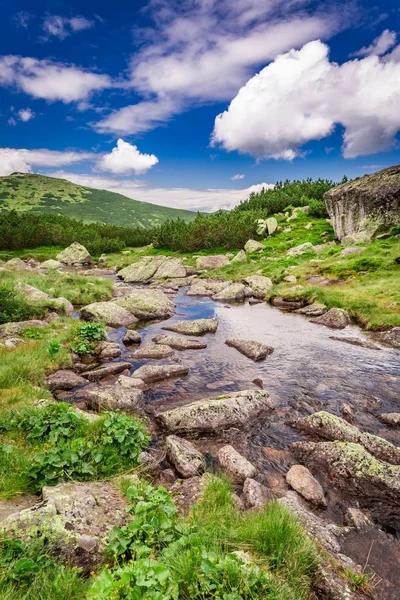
[359, 582]
[54, 348]
[87, 334]
[54, 422]
[33, 333]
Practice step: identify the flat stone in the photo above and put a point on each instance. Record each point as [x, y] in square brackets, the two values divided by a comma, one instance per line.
[148, 304]
[64, 380]
[356, 342]
[114, 397]
[335, 318]
[301, 249]
[106, 370]
[131, 337]
[255, 495]
[259, 284]
[331, 427]
[253, 246]
[212, 415]
[208, 263]
[186, 492]
[240, 257]
[316, 309]
[75, 254]
[347, 251]
[108, 313]
[157, 351]
[131, 382]
[288, 305]
[187, 460]
[392, 419]
[197, 327]
[235, 292]
[179, 343]
[151, 373]
[235, 465]
[250, 348]
[303, 482]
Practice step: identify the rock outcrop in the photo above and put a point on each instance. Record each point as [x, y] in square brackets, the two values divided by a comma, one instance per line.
[75, 255]
[368, 205]
[235, 292]
[212, 415]
[253, 246]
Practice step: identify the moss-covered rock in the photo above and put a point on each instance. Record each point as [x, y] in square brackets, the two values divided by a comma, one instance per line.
[75, 254]
[259, 284]
[235, 292]
[197, 327]
[142, 270]
[147, 304]
[109, 313]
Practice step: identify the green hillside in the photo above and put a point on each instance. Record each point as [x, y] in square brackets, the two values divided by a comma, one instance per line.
[41, 194]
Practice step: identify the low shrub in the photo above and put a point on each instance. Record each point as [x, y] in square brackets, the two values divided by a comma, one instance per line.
[14, 306]
[87, 334]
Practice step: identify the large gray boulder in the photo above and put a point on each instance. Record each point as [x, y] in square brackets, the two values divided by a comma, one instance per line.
[335, 318]
[259, 284]
[16, 264]
[368, 205]
[142, 270]
[108, 313]
[65, 379]
[172, 267]
[301, 249]
[148, 304]
[36, 296]
[208, 263]
[240, 257]
[197, 327]
[50, 264]
[114, 397]
[212, 415]
[235, 292]
[75, 255]
[253, 246]
[156, 351]
[187, 460]
[255, 495]
[151, 373]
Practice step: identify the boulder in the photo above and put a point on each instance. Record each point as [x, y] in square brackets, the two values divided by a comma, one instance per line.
[253, 246]
[198, 289]
[352, 468]
[197, 327]
[187, 460]
[288, 304]
[347, 251]
[148, 304]
[108, 350]
[235, 465]
[75, 519]
[331, 427]
[208, 263]
[178, 342]
[107, 370]
[114, 397]
[235, 292]
[108, 313]
[390, 337]
[303, 482]
[62, 305]
[290, 278]
[16, 264]
[240, 257]
[51, 264]
[142, 270]
[316, 309]
[13, 328]
[131, 337]
[75, 255]
[250, 348]
[172, 267]
[335, 318]
[64, 379]
[272, 225]
[211, 415]
[32, 294]
[151, 373]
[131, 382]
[259, 284]
[255, 495]
[157, 351]
[392, 419]
[301, 249]
[367, 205]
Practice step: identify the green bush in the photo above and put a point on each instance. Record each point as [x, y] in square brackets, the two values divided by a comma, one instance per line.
[317, 209]
[87, 334]
[14, 306]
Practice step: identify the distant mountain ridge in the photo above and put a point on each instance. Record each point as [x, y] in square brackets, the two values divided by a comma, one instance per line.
[41, 194]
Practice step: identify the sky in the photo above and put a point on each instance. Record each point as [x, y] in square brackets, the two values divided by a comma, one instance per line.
[195, 103]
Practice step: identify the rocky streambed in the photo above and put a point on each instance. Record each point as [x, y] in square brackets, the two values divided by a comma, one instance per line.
[287, 407]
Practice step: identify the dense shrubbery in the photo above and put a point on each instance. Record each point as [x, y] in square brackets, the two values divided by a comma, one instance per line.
[25, 230]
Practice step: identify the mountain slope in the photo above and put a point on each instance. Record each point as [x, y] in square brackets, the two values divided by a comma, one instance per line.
[40, 194]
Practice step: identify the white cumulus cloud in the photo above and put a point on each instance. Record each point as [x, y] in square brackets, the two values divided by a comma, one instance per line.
[380, 45]
[126, 158]
[22, 160]
[25, 114]
[50, 80]
[238, 176]
[301, 96]
[62, 27]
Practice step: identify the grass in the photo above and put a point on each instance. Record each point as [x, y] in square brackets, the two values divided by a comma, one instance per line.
[41, 194]
[76, 288]
[41, 253]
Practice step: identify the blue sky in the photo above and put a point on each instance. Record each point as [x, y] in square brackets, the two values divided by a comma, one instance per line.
[193, 104]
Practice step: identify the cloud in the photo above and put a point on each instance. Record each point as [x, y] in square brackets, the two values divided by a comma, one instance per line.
[61, 27]
[238, 176]
[11, 121]
[26, 114]
[380, 45]
[301, 96]
[22, 160]
[205, 50]
[208, 200]
[126, 158]
[50, 80]
[22, 18]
